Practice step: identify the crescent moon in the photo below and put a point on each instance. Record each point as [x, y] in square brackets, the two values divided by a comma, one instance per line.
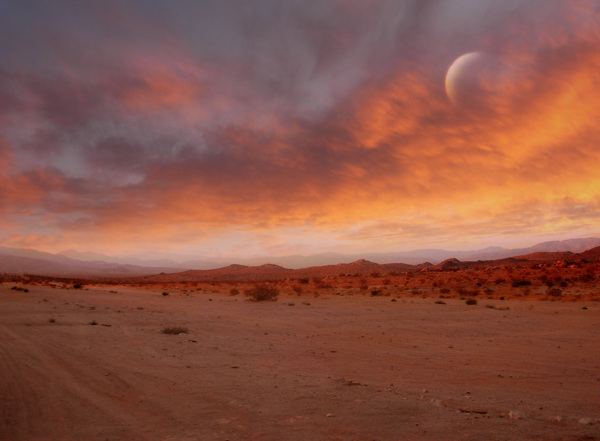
[458, 70]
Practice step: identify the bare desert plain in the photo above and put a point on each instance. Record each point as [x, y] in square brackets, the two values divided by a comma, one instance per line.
[93, 364]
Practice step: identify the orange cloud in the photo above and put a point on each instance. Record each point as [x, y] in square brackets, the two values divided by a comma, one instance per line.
[161, 92]
[203, 155]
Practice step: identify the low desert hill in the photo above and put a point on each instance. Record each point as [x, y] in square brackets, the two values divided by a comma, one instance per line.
[273, 272]
[544, 256]
[360, 267]
[593, 254]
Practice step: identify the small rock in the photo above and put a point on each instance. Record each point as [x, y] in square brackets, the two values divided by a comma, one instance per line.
[329, 415]
[586, 421]
[516, 415]
[557, 418]
[436, 402]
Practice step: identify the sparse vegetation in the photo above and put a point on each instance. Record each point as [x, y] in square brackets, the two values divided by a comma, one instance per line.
[175, 330]
[363, 284]
[468, 292]
[554, 292]
[262, 293]
[520, 282]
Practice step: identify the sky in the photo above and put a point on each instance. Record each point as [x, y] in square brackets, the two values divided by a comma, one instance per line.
[278, 127]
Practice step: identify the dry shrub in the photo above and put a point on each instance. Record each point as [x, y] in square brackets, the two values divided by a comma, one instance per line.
[363, 284]
[468, 292]
[520, 282]
[262, 293]
[175, 330]
[554, 292]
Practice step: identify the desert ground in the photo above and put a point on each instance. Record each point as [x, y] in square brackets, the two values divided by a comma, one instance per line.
[93, 364]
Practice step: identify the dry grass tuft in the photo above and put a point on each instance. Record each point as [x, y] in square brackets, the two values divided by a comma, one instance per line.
[175, 330]
[262, 293]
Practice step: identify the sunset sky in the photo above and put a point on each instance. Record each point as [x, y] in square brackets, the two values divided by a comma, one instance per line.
[276, 127]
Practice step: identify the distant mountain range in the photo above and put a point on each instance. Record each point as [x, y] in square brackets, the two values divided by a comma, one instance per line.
[25, 261]
[297, 261]
[77, 264]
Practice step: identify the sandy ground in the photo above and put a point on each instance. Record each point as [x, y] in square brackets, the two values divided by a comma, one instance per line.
[302, 368]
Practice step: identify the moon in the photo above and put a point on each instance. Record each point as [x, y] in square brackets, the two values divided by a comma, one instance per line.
[462, 79]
